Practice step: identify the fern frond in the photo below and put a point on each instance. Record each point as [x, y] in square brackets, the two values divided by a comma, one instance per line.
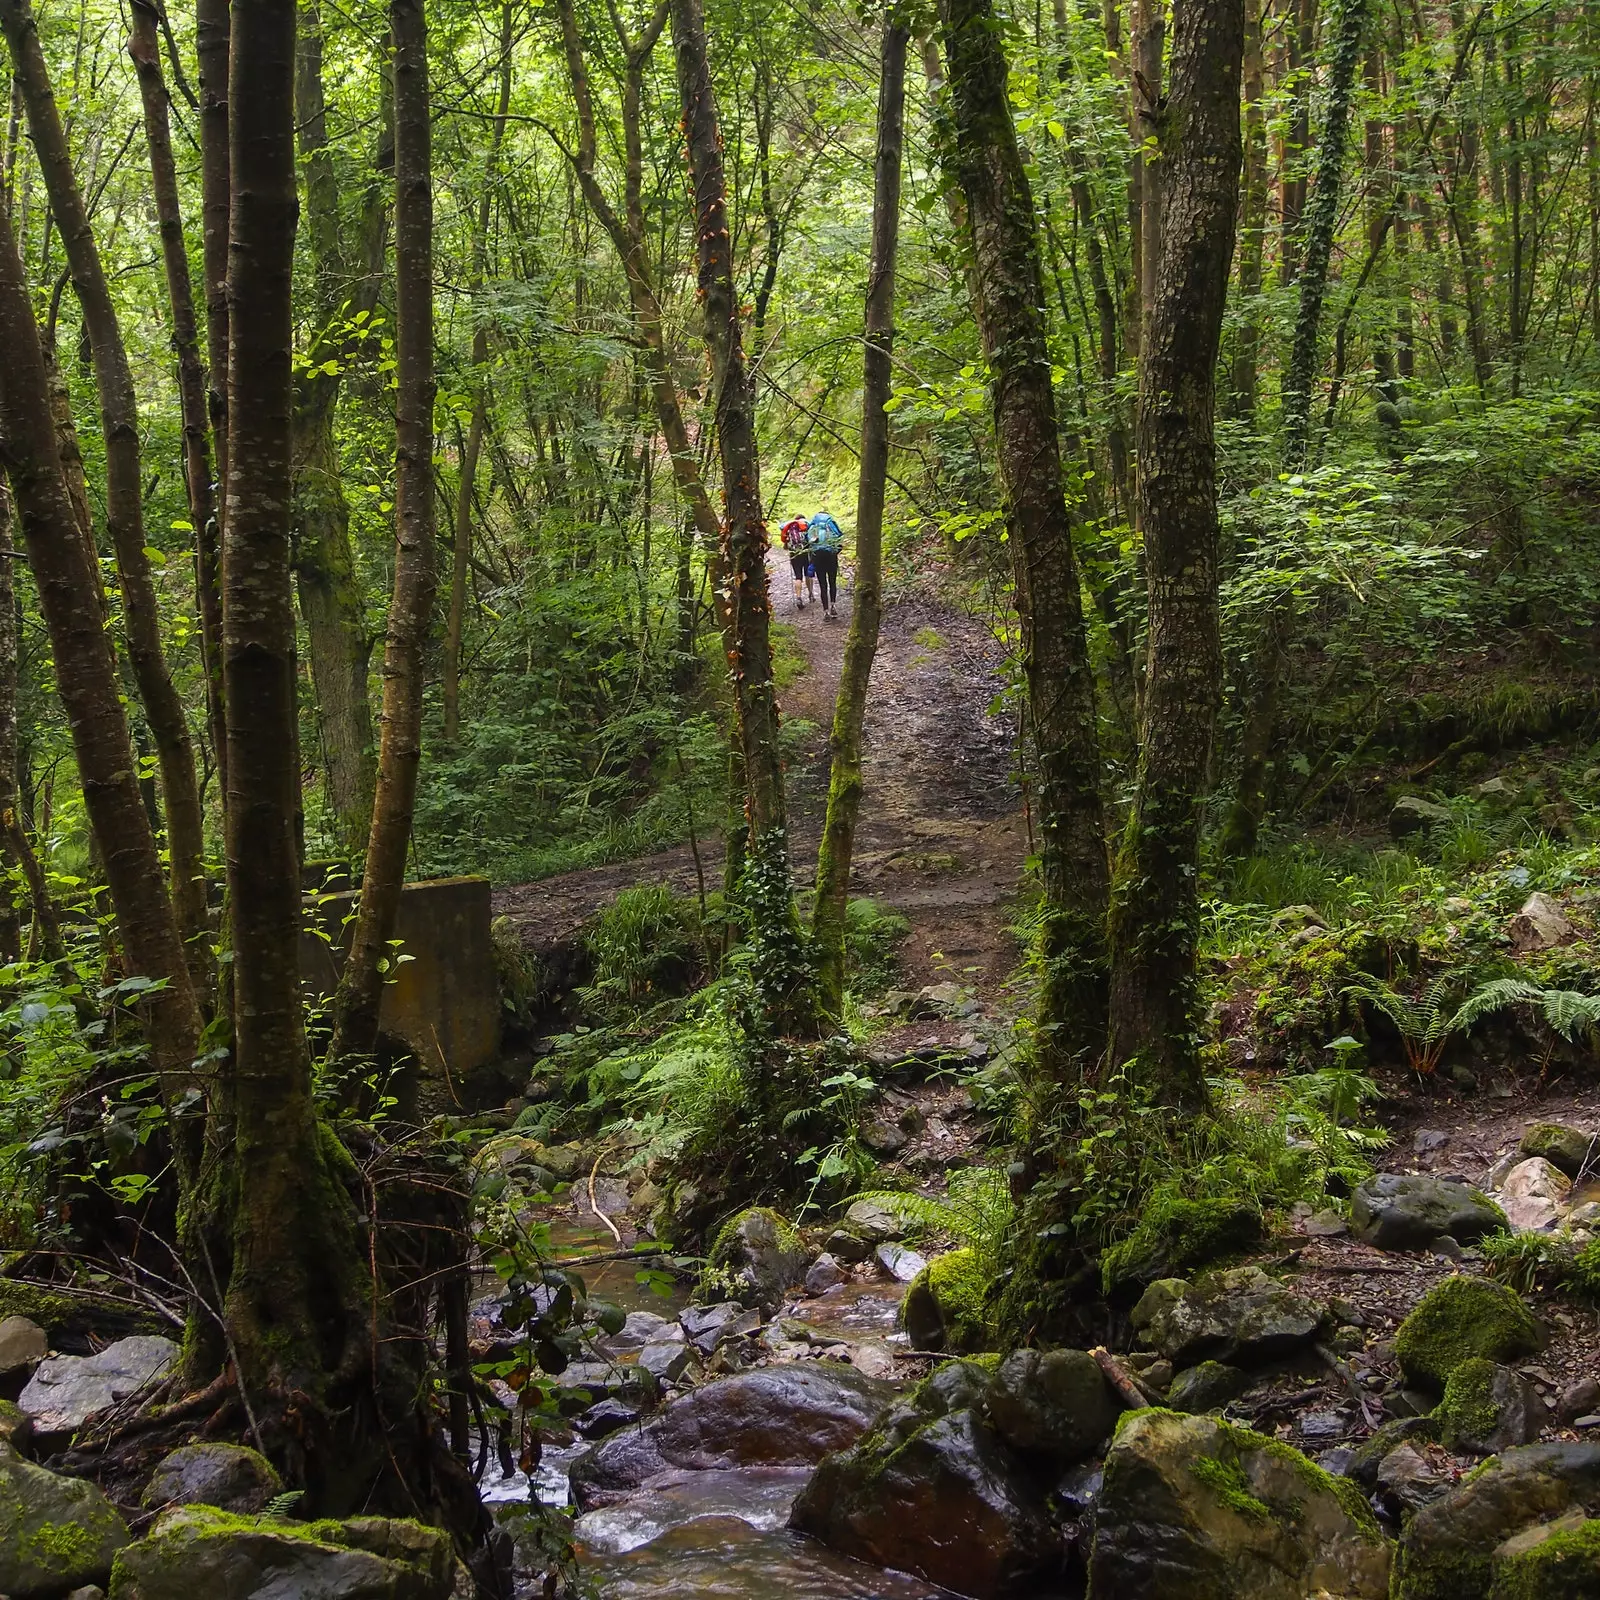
[1569, 1012]
[1498, 995]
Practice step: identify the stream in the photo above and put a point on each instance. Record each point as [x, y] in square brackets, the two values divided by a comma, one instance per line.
[718, 1535]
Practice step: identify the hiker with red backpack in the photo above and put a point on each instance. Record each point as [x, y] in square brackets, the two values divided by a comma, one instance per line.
[797, 545]
[826, 539]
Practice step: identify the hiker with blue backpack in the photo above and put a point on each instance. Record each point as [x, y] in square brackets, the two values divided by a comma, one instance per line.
[826, 538]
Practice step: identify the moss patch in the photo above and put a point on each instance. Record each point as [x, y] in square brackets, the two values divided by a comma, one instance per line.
[1566, 1566]
[1226, 1480]
[1175, 1232]
[1461, 1318]
[959, 1287]
[1468, 1410]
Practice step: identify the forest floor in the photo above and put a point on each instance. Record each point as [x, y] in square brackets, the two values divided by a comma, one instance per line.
[942, 836]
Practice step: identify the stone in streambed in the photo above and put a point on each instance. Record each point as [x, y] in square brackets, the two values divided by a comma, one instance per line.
[1567, 1148]
[227, 1476]
[56, 1533]
[761, 1255]
[22, 1344]
[1406, 1211]
[1460, 1318]
[824, 1274]
[66, 1390]
[1533, 1195]
[1238, 1315]
[1488, 1408]
[1207, 1387]
[1053, 1405]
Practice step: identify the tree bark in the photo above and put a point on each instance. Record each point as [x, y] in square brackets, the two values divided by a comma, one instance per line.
[1300, 30]
[1010, 312]
[1149, 48]
[144, 46]
[861, 643]
[1245, 378]
[119, 414]
[1155, 903]
[86, 673]
[1322, 216]
[212, 24]
[10, 821]
[473, 448]
[355, 1028]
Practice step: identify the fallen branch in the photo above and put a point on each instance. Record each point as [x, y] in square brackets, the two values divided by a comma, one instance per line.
[1123, 1381]
[594, 1205]
[1370, 1407]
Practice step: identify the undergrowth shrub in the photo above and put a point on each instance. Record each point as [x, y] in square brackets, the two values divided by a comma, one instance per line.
[645, 946]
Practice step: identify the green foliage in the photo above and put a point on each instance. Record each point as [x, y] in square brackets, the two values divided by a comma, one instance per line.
[872, 935]
[976, 1211]
[644, 945]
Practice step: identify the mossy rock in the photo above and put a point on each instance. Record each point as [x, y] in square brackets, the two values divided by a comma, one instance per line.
[56, 1534]
[1174, 1233]
[1556, 1561]
[1461, 1318]
[947, 1305]
[1307, 1002]
[1488, 1408]
[1563, 1147]
[69, 1315]
[756, 1257]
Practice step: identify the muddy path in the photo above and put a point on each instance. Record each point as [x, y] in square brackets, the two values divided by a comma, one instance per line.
[942, 836]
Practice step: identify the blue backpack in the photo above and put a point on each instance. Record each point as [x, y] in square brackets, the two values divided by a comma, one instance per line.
[825, 534]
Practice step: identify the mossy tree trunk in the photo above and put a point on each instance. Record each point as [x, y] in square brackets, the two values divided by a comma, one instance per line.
[1155, 898]
[1009, 291]
[861, 643]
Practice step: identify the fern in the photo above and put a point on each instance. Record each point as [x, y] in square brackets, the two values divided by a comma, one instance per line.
[283, 1505]
[976, 1212]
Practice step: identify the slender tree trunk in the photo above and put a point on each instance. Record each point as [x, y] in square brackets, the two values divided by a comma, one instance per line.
[1252, 223]
[1155, 903]
[861, 643]
[86, 672]
[124, 484]
[212, 23]
[355, 1029]
[1300, 50]
[1149, 50]
[461, 556]
[1010, 312]
[145, 48]
[1322, 216]
[10, 820]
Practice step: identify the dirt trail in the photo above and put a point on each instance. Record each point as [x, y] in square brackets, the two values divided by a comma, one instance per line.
[941, 837]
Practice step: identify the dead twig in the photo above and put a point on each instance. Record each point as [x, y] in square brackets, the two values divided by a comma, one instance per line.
[1123, 1381]
[1368, 1404]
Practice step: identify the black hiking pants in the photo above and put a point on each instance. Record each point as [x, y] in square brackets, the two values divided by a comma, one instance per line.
[827, 564]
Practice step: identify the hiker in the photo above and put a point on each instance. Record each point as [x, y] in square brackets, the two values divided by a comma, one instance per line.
[826, 537]
[797, 543]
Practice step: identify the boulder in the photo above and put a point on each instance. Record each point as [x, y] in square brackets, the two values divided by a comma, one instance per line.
[1532, 1195]
[66, 1390]
[1367, 1459]
[934, 1491]
[901, 1264]
[1463, 1545]
[1557, 1560]
[604, 1419]
[787, 1415]
[666, 1362]
[1240, 1315]
[1539, 925]
[227, 1476]
[56, 1534]
[824, 1274]
[22, 1344]
[1206, 1387]
[874, 1220]
[1460, 1318]
[1407, 1211]
[946, 1307]
[706, 1327]
[1412, 814]
[1488, 1408]
[1407, 1481]
[759, 1257]
[845, 1246]
[1195, 1509]
[1052, 1405]
[1564, 1147]
[199, 1551]
[639, 1329]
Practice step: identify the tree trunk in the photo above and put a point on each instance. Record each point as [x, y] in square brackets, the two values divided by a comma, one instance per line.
[124, 484]
[355, 1028]
[1149, 48]
[289, 1305]
[1300, 50]
[1155, 903]
[1245, 377]
[461, 556]
[861, 643]
[1010, 313]
[145, 48]
[338, 643]
[1322, 216]
[211, 32]
[10, 821]
[86, 673]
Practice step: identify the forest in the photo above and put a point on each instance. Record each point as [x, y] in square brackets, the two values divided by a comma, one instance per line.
[800, 800]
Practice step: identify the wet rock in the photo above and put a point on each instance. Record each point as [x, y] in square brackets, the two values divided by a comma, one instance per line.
[22, 1344]
[1238, 1315]
[1404, 1211]
[56, 1534]
[666, 1362]
[1407, 1481]
[1054, 1405]
[1194, 1509]
[1489, 1408]
[901, 1264]
[1532, 1195]
[1208, 1386]
[706, 1327]
[790, 1415]
[1412, 814]
[640, 1329]
[1539, 925]
[760, 1256]
[1460, 1318]
[227, 1476]
[1564, 1147]
[946, 1306]
[66, 1390]
[845, 1246]
[939, 1496]
[874, 1221]
[824, 1274]
[1457, 1548]
[197, 1551]
[604, 1419]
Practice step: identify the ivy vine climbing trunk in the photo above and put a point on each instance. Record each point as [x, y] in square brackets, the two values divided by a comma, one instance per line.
[68, 587]
[1155, 898]
[861, 643]
[1245, 375]
[1321, 222]
[1009, 306]
[124, 485]
[355, 1028]
[144, 46]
